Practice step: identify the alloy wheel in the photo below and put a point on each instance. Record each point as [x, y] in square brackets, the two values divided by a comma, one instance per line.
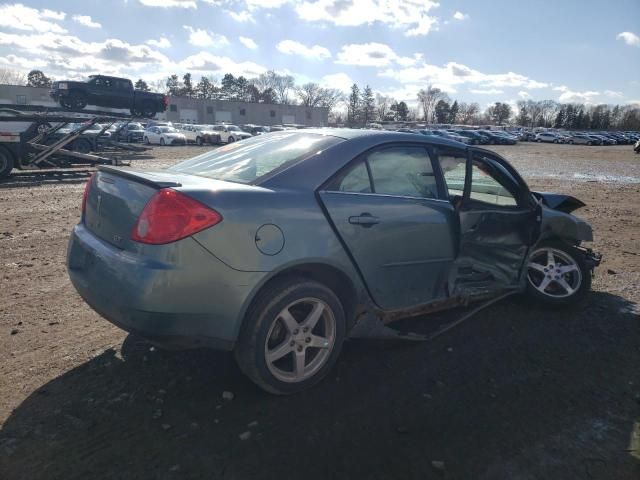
[554, 273]
[300, 340]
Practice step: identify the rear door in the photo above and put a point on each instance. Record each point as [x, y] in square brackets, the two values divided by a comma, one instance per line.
[498, 221]
[389, 210]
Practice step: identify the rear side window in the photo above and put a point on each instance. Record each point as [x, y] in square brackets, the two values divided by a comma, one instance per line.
[403, 171]
[250, 160]
[399, 171]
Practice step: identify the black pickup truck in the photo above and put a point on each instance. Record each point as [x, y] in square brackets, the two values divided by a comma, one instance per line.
[111, 92]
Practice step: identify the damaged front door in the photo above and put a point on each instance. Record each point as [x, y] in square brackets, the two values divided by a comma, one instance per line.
[498, 222]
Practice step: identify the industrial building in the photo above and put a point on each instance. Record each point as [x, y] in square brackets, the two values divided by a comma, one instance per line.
[194, 110]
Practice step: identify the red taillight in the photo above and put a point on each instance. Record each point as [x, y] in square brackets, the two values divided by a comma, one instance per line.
[85, 195]
[170, 216]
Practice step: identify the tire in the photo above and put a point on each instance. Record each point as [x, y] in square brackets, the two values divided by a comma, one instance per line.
[76, 101]
[264, 330]
[129, 139]
[148, 109]
[145, 140]
[7, 162]
[162, 144]
[81, 146]
[474, 142]
[570, 142]
[231, 140]
[492, 142]
[539, 141]
[555, 294]
[199, 141]
[590, 143]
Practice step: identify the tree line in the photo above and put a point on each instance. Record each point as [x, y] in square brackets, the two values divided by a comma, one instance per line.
[363, 106]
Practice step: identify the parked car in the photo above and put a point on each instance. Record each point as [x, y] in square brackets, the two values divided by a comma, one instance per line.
[255, 129]
[476, 137]
[164, 136]
[495, 138]
[201, 134]
[579, 139]
[636, 147]
[104, 91]
[452, 136]
[549, 137]
[605, 140]
[527, 136]
[131, 132]
[277, 246]
[230, 133]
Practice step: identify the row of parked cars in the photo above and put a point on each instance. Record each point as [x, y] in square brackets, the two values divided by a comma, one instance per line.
[589, 138]
[505, 137]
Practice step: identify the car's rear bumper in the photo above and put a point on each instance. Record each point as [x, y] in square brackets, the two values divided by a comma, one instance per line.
[198, 302]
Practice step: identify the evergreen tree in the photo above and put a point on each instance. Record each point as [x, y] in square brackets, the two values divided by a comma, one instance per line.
[579, 123]
[402, 111]
[353, 109]
[187, 89]
[453, 112]
[586, 121]
[368, 106]
[205, 88]
[560, 118]
[173, 86]
[141, 85]
[443, 112]
[570, 117]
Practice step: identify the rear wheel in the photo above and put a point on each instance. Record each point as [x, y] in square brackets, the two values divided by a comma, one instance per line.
[148, 109]
[557, 274]
[75, 101]
[291, 336]
[199, 141]
[231, 140]
[145, 140]
[81, 146]
[6, 162]
[589, 143]
[162, 142]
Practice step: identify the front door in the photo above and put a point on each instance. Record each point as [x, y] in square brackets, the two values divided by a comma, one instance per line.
[390, 211]
[498, 222]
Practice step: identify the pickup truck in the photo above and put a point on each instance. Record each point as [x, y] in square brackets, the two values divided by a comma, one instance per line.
[111, 92]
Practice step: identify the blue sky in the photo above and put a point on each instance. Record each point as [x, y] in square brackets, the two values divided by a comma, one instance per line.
[477, 50]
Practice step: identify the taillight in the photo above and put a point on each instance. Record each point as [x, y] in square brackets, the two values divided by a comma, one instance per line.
[165, 100]
[170, 215]
[85, 195]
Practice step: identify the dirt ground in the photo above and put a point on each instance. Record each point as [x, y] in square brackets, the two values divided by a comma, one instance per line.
[516, 393]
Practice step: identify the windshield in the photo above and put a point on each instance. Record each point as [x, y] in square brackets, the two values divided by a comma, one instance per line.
[167, 129]
[233, 128]
[249, 160]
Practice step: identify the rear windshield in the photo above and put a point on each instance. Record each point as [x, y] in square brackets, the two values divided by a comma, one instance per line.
[249, 160]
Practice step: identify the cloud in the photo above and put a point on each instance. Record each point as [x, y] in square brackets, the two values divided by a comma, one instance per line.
[412, 16]
[453, 74]
[162, 42]
[629, 38]
[202, 38]
[340, 81]
[460, 16]
[19, 17]
[86, 20]
[254, 4]
[243, 16]
[207, 62]
[490, 91]
[373, 55]
[22, 62]
[169, 3]
[613, 94]
[524, 95]
[569, 96]
[248, 42]
[291, 47]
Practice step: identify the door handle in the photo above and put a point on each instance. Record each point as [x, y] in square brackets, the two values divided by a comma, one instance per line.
[365, 220]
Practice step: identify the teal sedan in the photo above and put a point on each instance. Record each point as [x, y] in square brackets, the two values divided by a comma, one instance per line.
[277, 246]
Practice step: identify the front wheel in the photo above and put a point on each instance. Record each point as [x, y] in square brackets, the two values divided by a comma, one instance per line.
[557, 274]
[199, 141]
[231, 140]
[162, 142]
[291, 336]
[6, 162]
[145, 140]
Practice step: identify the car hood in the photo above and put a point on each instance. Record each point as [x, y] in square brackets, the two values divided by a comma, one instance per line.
[174, 135]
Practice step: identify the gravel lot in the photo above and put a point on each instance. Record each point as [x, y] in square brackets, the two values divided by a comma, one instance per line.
[516, 393]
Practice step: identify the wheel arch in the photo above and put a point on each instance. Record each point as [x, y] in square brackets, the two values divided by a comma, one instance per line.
[329, 275]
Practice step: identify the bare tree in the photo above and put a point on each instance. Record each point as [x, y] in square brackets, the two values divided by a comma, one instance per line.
[313, 95]
[281, 85]
[468, 112]
[548, 111]
[12, 77]
[428, 99]
[158, 86]
[383, 106]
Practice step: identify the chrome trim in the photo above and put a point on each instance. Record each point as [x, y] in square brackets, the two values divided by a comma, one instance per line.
[409, 197]
[417, 262]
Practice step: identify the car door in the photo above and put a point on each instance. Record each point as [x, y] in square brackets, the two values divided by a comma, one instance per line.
[497, 221]
[389, 210]
[153, 134]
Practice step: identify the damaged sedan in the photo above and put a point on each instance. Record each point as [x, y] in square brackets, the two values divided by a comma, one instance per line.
[278, 246]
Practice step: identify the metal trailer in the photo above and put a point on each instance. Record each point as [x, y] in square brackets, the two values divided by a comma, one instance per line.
[31, 140]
